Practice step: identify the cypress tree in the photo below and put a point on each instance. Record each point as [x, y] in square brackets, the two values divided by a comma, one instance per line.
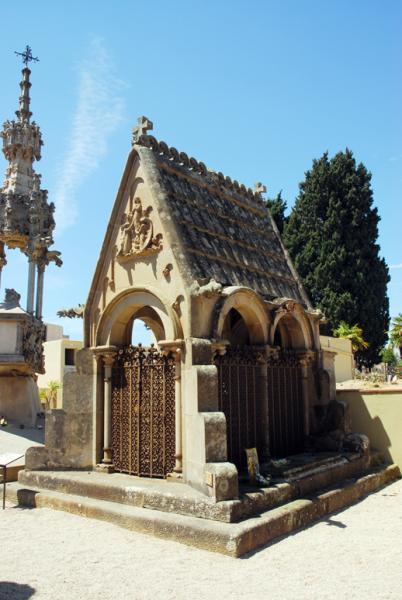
[332, 236]
[277, 207]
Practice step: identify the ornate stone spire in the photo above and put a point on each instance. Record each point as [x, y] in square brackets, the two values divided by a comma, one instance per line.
[26, 217]
[22, 141]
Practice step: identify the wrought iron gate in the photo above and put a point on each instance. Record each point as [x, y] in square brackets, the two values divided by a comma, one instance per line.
[143, 412]
[239, 400]
[285, 405]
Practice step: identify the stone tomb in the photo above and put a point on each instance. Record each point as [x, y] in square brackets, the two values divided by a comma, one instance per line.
[237, 362]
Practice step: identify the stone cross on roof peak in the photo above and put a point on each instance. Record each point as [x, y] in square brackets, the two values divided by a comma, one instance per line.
[144, 125]
[260, 188]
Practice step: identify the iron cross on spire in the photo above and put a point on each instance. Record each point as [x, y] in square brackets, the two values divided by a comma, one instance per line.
[27, 56]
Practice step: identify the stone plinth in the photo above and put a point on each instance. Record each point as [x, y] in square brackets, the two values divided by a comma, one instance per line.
[21, 337]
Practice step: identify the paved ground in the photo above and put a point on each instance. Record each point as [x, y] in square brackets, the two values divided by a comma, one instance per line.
[354, 554]
[14, 440]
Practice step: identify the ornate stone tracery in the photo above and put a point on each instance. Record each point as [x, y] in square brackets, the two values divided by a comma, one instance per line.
[32, 344]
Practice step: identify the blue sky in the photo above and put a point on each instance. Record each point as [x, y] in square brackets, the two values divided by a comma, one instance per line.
[254, 89]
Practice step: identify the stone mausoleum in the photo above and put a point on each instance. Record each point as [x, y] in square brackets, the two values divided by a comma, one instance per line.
[154, 438]
[237, 362]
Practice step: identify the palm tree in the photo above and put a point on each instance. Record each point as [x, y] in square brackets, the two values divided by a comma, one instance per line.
[51, 394]
[396, 333]
[354, 333]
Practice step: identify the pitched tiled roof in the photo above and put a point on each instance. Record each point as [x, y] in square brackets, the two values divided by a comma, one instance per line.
[226, 230]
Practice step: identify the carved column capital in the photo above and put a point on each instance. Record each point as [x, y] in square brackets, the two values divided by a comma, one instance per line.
[306, 357]
[219, 347]
[105, 354]
[175, 347]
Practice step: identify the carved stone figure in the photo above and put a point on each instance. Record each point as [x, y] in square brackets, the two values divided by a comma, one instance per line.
[136, 233]
[11, 299]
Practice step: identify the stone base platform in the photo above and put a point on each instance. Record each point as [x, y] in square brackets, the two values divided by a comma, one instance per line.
[301, 475]
[233, 539]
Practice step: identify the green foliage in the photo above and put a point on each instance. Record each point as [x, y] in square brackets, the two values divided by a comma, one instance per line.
[49, 395]
[332, 237]
[277, 207]
[388, 356]
[396, 332]
[354, 333]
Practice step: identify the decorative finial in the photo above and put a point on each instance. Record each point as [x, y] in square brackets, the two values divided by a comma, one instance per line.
[260, 188]
[27, 56]
[144, 125]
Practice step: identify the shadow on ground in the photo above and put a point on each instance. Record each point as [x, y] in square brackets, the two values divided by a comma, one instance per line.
[9, 590]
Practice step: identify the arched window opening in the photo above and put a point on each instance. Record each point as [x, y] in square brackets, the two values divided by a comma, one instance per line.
[235, 329]
[289, 334]
[146, 327]
[278, 338]
[142, 334]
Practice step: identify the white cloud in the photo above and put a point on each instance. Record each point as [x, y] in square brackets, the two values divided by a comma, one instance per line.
[99, 111]
[398, 266]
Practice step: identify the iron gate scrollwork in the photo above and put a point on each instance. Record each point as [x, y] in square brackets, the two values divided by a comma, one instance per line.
[239, 399]
[285, 404]
[143, 412]
[245, 393]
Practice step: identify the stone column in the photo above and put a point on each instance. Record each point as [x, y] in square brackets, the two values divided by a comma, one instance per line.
[305, 362]
[178, 468]
[265, 416]
[39, 290]
[175, 347]
[107, 356]
[3, 260]
[31, 285]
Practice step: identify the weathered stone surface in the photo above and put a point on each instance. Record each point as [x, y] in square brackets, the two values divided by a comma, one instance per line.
[225, 483]
[19, 399]
[233, 539]
[69, 432]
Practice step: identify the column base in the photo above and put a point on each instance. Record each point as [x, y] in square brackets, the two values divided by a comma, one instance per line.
[104, 468]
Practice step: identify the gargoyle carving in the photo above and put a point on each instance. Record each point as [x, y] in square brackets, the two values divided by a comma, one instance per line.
[208, 290]
[72, 313]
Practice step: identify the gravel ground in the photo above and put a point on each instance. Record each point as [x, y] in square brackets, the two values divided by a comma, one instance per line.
[356, 553]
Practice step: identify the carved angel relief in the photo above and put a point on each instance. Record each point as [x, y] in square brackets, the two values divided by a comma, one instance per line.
[136, 234]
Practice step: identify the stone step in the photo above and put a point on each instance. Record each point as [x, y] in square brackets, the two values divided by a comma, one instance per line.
[233, 539]
[181, 498]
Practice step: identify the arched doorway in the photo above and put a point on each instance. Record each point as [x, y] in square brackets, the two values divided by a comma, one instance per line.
[143, 433]
[240, 398]
[286, 407]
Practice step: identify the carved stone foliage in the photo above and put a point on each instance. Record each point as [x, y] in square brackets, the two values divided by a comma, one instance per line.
[32, 344]
[136, 233]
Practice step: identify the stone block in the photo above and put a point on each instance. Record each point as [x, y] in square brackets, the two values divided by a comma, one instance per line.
[207, 386]
[201, 351]
[222, 481]
[215, 436]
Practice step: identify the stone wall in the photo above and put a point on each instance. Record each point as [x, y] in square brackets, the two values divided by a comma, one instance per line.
[344, 362]
[69, 437]
[378, 414]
